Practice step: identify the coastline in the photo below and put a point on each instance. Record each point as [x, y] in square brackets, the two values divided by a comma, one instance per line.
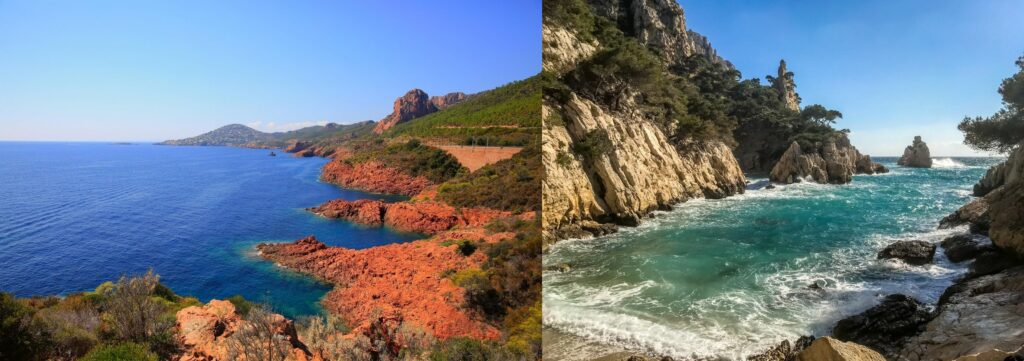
[611, 351]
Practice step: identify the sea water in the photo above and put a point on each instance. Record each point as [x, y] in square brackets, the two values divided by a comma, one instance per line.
[727, 278]
[73, 215]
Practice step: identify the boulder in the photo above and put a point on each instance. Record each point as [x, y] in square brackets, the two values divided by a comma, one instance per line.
[886, 326]
[975, 213]
[911, 252]
[916, 155]
[962, 247]
[830, 349]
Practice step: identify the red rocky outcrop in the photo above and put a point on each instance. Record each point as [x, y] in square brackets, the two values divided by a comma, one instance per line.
[374, 177]
[205, 332]
[413, 104]
[426, 217]
[444, 101]
[406, 279]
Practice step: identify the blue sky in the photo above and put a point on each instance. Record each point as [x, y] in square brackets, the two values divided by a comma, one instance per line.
[154, 70]
[895, 69]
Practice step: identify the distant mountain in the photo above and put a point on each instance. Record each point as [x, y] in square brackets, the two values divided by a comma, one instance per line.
[232, 134]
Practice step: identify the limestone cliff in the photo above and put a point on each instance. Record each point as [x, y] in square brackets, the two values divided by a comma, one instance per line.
[639, 172]
[786, 86]
[1006, 203]
[1003, 173]
[835, 162]
[659, 25]
[916, 155]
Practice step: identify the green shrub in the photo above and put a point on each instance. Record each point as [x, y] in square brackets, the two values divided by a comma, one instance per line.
[511, 185]
[242, 306]
[121, 352]
[466, 248]
[462, 349]
[20, 341]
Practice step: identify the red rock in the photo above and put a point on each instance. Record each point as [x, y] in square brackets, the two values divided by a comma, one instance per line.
[413, 104]
[204, 331]
[374, 177]
[404, 279]
[428, 217]
[444, 101]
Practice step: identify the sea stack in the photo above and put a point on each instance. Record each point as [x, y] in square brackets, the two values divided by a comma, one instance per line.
[916, 155]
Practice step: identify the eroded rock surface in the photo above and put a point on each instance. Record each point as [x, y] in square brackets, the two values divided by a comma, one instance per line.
[372, 176]
[409, 279]
[205, 332]
[962, 247]
[886, 326]
[913, 252]
[975, 316]
[426, 217]
[916, 155]
[830, 349]
[835, 162]
[414, 104]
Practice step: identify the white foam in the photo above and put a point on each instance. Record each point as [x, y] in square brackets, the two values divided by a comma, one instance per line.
[947, 163]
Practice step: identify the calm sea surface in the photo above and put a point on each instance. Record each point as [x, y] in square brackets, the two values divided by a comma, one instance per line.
[73, 215]
[726, 278]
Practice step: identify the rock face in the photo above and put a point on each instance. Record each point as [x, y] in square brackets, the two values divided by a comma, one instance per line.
[886, 326]
[444, 101]
[787, 87]
[912, 252]
[640, 172]
[421, 217]
[962, 247]
[205, 331]
[835, 162]
[999, 212]
[374, 177]
[916, 155]
[784, 351]
[830, 349]
[407, 279]
[659, 25]
[1003, 173]
[228, 135]
[975, 316]
[413, 104]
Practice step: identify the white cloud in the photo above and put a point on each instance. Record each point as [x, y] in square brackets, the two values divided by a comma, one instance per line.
[271, 127]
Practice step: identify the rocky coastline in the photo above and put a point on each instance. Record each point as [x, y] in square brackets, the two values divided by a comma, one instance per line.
[916, 155]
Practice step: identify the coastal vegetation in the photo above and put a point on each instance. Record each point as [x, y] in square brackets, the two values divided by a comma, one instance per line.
[510, 185]
[1003, 131]
[414, 158]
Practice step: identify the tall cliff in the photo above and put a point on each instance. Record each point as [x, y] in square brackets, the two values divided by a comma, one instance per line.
[609, 160]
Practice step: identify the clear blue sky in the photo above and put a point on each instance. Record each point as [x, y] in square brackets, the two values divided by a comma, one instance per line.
[154, 70]
[894, 68]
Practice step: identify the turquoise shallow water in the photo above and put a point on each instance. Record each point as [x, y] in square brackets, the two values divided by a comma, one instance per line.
[73, 215]
[726, 278]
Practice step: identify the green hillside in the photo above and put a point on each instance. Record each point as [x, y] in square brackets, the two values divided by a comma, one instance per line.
[507, 115]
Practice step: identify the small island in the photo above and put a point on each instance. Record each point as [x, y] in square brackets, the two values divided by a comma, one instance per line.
[916, 155]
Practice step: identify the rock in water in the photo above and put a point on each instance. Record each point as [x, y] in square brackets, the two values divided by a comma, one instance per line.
[912, 252]
[834, 161]
[784, 351]
[886, 326]
[962, 247]
[916, 155]
[830, 349]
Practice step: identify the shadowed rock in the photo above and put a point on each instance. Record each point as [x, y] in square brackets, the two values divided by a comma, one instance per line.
[912, 252]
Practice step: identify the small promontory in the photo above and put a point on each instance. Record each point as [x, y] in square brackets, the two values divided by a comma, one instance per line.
[916, 155]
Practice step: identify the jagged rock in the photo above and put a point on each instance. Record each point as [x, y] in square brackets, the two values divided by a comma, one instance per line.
[787, 87]
[373, 176]
[404, 279]
[912, 252]
[992, 261]
[916, 155]
[885, 327]
[659, 25]
[205, 331]
[414, 104]
[426, 217]
[784, 351]
[1006, 172]
[563, 49]
[640, 172]
[975, 315]
[975, 213]
[830, 349]
[447, 100]
[962, 247]
[836, 161]
[994, 355]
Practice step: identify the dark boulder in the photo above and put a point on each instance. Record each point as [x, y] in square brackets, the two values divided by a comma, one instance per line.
[885, 327]
[962, 247]
[784, 351]
[912, 252]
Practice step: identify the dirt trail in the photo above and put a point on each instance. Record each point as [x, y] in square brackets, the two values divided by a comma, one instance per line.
[475, 157]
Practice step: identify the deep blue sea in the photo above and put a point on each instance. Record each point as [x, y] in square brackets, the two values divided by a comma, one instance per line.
[726, 278]
[73, 215]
